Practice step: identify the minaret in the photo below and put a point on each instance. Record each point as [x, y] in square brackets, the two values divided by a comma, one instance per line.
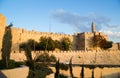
[93, 27]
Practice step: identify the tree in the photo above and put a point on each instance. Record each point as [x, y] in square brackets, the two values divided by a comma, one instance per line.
[27, 47]
[71, 70]
[6, 46]
[43, 43]
[57, 44]
[30, 62]
[100, 41]
[51, 44]
[66, 44]
[105, 44]
[28, 55]
[97, 40]
[57, 67]
[47, 43]
[33, 45]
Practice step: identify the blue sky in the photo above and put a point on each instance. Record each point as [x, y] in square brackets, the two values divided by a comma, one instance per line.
[64, 16]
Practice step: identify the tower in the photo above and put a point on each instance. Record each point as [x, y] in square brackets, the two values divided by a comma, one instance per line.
[93, 27]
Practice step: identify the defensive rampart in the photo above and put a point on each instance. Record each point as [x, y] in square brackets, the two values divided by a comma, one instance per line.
[21, 35]
[86, 57]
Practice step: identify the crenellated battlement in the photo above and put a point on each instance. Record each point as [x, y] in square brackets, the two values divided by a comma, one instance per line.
[22, 35]
[37, 32]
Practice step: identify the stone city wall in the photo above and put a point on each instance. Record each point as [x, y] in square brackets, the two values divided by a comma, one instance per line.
[22, 35]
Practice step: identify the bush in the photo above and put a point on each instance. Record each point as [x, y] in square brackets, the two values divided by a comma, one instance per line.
[30, 64]
[62, 76]
[45, 58]
[40, 73]
[63, 66]
[40, 66]
[52, 58]
[11, 64]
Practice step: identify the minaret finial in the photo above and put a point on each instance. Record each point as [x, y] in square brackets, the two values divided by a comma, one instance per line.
[93, 27]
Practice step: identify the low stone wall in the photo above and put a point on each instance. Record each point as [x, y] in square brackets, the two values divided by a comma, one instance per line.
[87, 57]
[50, 76]
[21, 72]
[98, 72]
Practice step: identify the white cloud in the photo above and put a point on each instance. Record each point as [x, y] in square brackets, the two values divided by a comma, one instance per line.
[78, 22]
[83, 23]
[113, 36]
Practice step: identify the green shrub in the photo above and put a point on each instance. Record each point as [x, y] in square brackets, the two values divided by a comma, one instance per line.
[63, 66]
[42, 73]
[62, 76]
[52, 58]
[1, 65]
[11, 64]
[40, 66]
[44, 57]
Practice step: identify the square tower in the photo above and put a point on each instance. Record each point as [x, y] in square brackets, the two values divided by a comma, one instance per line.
[85, 39]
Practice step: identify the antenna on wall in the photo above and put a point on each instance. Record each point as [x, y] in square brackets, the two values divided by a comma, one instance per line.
[49, 31]
[50, 23]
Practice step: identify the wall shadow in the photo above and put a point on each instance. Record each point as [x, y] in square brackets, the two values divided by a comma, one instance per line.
[113, 75]
[2, 75]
